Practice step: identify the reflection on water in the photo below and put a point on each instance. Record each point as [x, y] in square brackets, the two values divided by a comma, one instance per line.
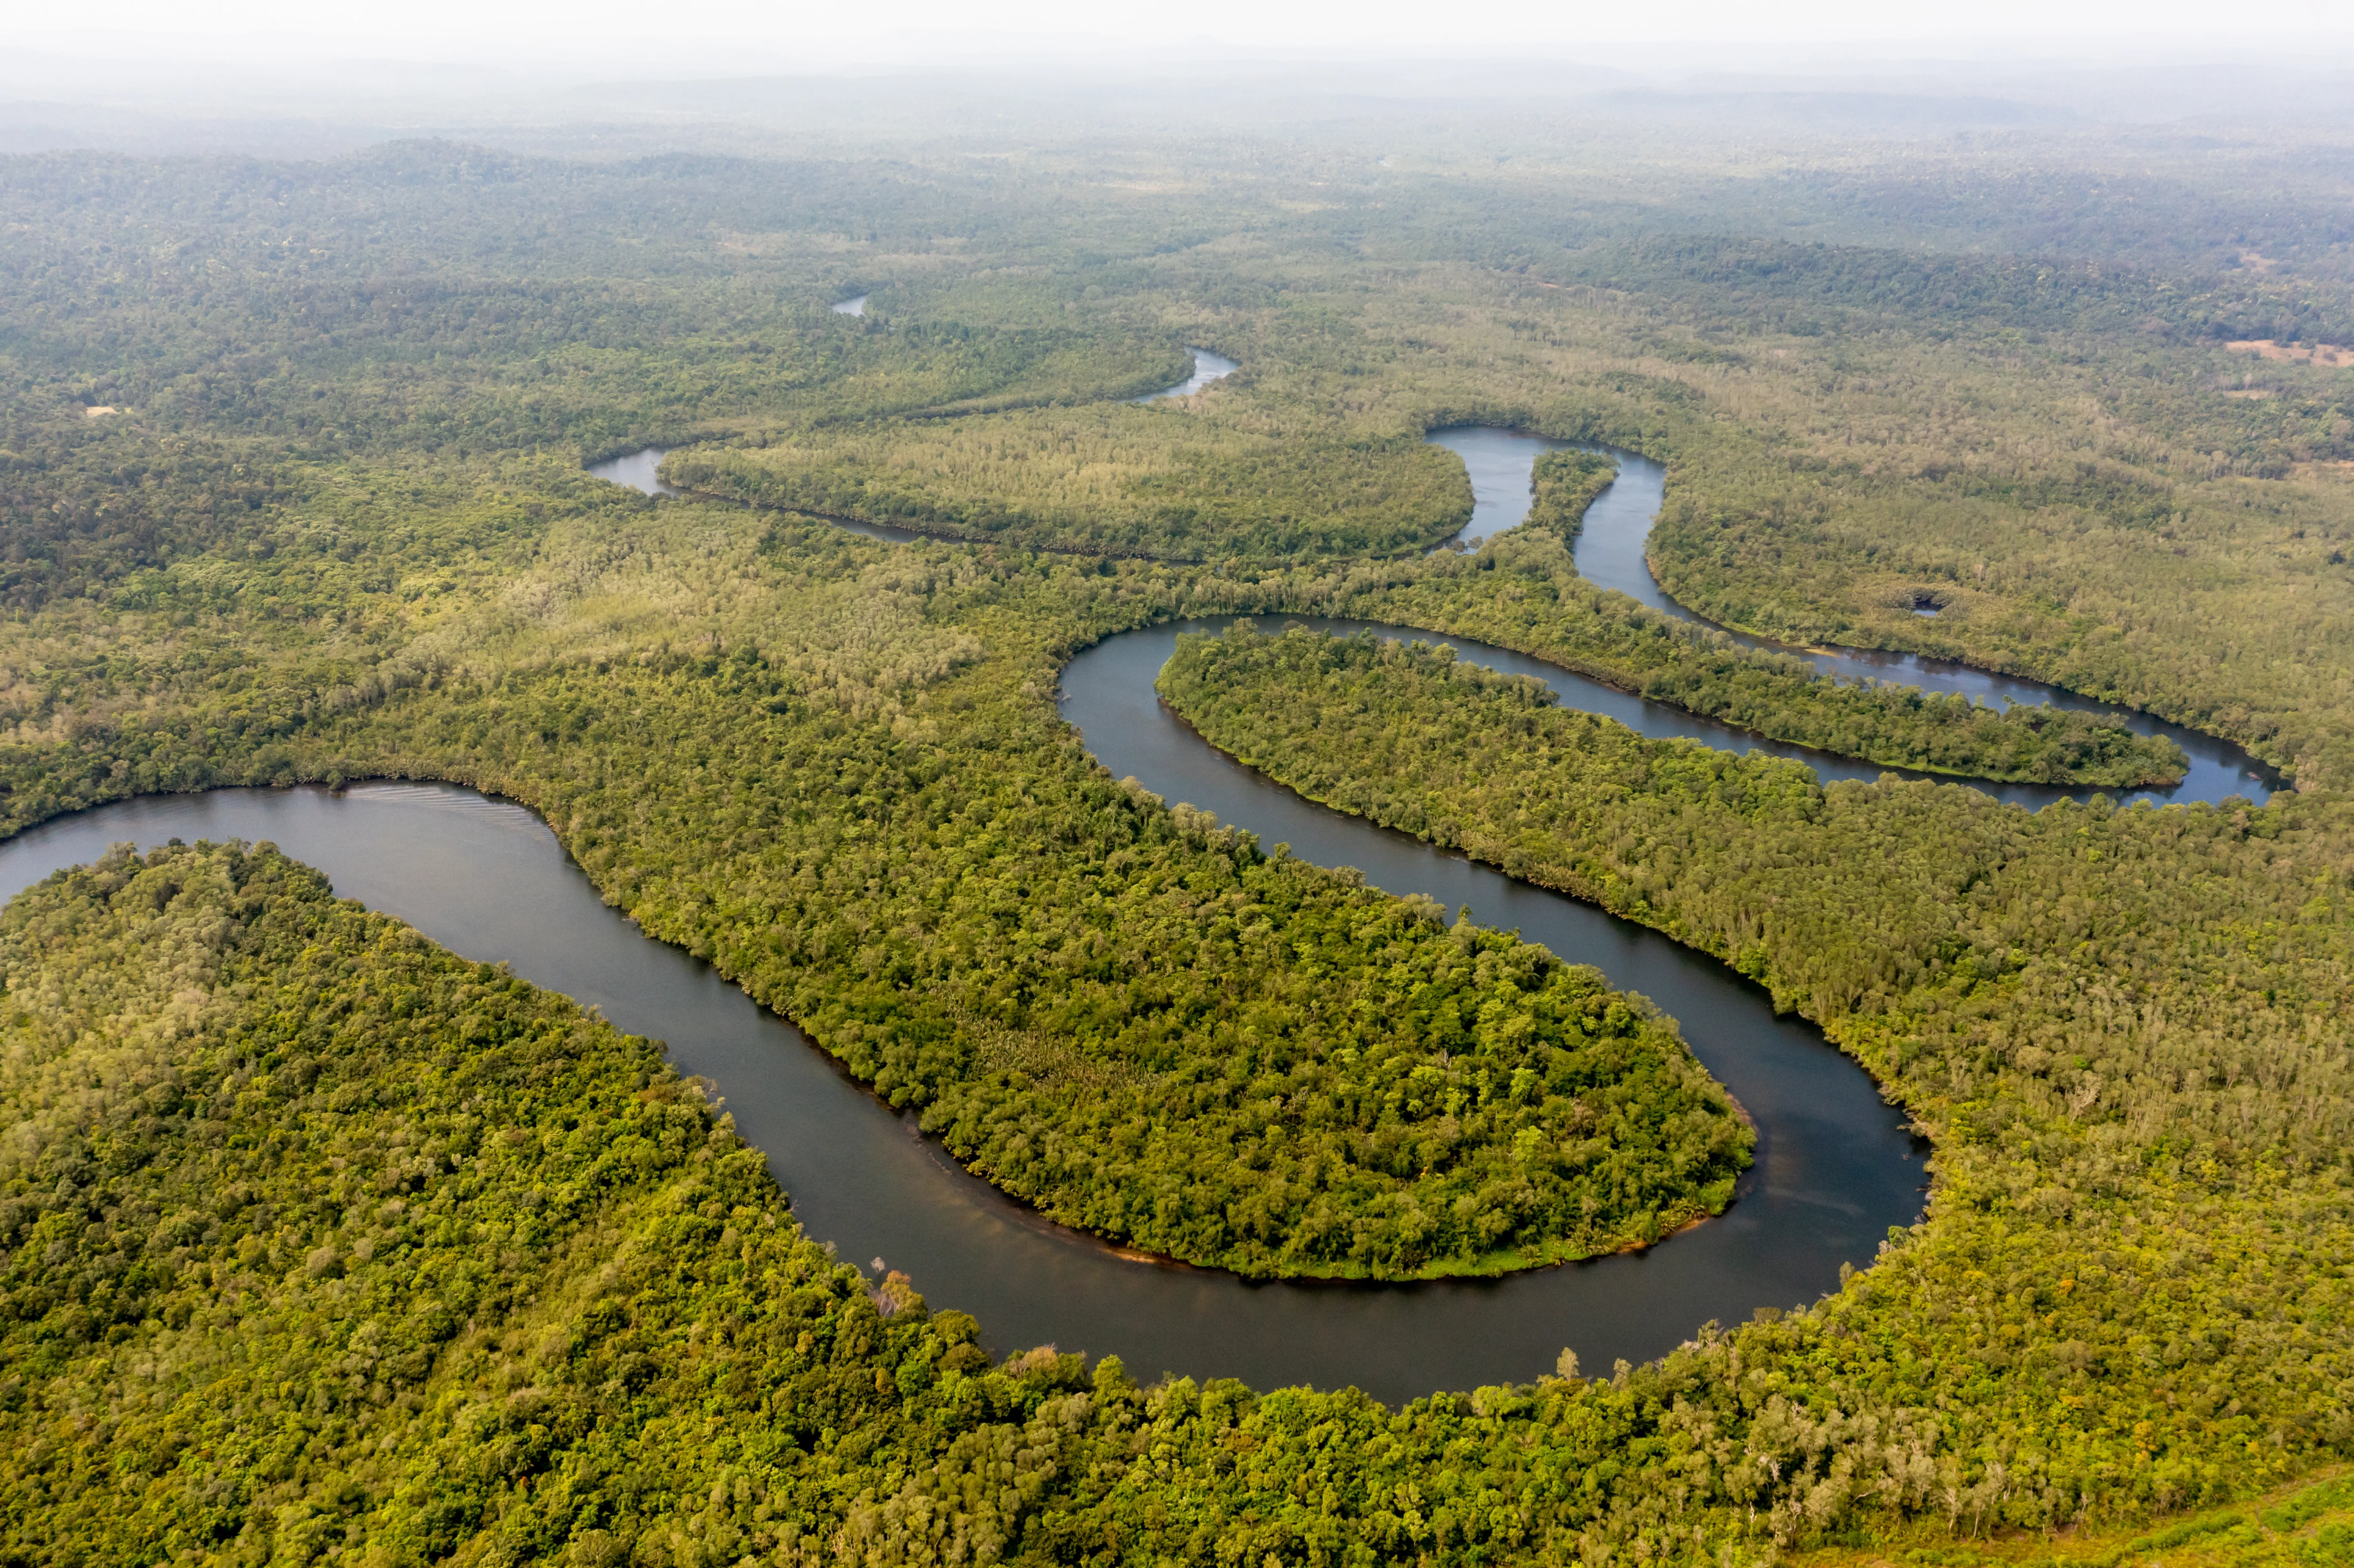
[1207, 367]
[1499, 463]
[637, 470]
[854, 306]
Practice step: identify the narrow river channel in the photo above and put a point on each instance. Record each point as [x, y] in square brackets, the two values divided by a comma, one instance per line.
[642, 470]
[1207, 367]
[1610, 552]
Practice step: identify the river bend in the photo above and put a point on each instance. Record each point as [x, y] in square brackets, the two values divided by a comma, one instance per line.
[1836, 1167]
[487, 879]
[1610, 552]
[1207, 367]
[642, 470]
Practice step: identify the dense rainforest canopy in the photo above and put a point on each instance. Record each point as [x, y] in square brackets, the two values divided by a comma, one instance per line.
[321, 1242]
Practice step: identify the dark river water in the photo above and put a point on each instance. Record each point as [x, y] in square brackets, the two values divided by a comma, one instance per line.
[1835, 1169]
[1610, 552]
[487, 879]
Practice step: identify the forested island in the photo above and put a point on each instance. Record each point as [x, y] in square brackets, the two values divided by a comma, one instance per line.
[321, 1242]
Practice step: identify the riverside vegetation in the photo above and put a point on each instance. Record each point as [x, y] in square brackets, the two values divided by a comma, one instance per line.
[1537, 604]
[337, 528]
[956, 902]
[2132, 1092]
[345, 1246]
[1119, 479]
[1151, 483]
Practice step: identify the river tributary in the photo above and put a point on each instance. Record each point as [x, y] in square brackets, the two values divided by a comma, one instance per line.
[1207, 367]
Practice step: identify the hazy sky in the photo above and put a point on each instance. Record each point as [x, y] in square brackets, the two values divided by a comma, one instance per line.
[911, 30]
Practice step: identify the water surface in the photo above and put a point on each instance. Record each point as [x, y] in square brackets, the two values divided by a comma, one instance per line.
[1500, 463]
[854, 306]
[487, 879]
[639, 470]
[1207, 367]
[1834, 1169]
[1609, 552]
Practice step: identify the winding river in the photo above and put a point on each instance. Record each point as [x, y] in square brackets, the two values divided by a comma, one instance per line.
[1610, 552]
[487, 879]
[640, 470]
[1836, 1167]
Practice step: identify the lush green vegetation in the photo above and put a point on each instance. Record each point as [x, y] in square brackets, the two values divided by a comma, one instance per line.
[2123, 507]
[1127, 481]
[1562, 485]
[1038, 959]
[338, 528]
[425, 296]
[2218, 602]
[2307, 1526]
[512, 1293]
[324, 1243]
[2113, 1023]
[1120, 479]
[1534, 602]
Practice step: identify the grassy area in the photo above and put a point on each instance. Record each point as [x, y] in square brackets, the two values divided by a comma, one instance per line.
[2308, 1523]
